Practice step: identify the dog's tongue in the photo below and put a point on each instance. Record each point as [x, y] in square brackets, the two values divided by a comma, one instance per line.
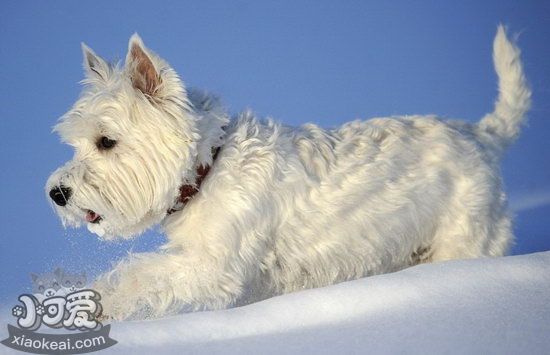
[91, 216]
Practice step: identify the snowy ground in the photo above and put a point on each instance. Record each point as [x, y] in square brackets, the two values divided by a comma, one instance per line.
[479, 306]
[483, 306]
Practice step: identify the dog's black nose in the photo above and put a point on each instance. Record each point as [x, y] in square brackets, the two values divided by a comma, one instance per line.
[60, 195]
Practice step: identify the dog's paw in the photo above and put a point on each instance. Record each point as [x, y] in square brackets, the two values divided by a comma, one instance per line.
[116, 307]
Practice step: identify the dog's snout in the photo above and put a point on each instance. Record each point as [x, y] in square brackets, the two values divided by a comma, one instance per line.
[60, 195]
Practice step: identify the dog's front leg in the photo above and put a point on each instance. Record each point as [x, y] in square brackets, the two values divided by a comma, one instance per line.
[206, 264]
[127, 290]
[159, 284]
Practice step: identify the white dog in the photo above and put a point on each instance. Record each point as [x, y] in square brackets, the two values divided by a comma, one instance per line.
[253, 208]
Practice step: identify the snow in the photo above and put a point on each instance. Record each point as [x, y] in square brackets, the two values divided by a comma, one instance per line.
[498, 305]
[489, 306]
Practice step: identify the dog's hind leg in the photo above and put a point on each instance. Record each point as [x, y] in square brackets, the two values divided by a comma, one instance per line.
[472, 236]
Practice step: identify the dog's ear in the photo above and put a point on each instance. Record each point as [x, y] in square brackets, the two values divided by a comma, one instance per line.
[94, 66]
[140, 67]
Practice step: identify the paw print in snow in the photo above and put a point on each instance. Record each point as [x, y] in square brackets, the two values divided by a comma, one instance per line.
[17, 311]
[40, 310]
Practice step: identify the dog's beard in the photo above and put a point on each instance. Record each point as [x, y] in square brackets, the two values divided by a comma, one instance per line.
[126, 204]
[106, 222]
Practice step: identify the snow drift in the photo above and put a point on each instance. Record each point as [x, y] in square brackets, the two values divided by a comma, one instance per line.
[489, 306]
[498, 305]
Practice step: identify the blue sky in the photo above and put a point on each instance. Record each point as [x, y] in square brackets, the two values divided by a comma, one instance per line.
[298, 61]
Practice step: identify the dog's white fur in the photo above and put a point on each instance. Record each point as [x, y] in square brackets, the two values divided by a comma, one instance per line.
[282, 208]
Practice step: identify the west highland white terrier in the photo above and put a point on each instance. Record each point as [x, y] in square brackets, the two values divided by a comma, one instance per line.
[253, 208]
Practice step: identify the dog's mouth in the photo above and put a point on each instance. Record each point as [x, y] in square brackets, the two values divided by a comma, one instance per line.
[92, 217]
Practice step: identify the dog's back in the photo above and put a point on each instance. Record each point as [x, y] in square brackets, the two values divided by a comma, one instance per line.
[379, 195]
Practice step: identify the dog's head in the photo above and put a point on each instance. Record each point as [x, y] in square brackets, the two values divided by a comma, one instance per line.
[137, 136]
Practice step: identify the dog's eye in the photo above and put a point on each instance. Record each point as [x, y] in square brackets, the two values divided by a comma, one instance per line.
[105, 143]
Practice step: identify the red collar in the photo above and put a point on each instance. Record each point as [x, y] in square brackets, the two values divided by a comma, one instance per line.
[188, 191]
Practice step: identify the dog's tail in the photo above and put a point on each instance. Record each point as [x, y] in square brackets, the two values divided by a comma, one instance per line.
[514, 98]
